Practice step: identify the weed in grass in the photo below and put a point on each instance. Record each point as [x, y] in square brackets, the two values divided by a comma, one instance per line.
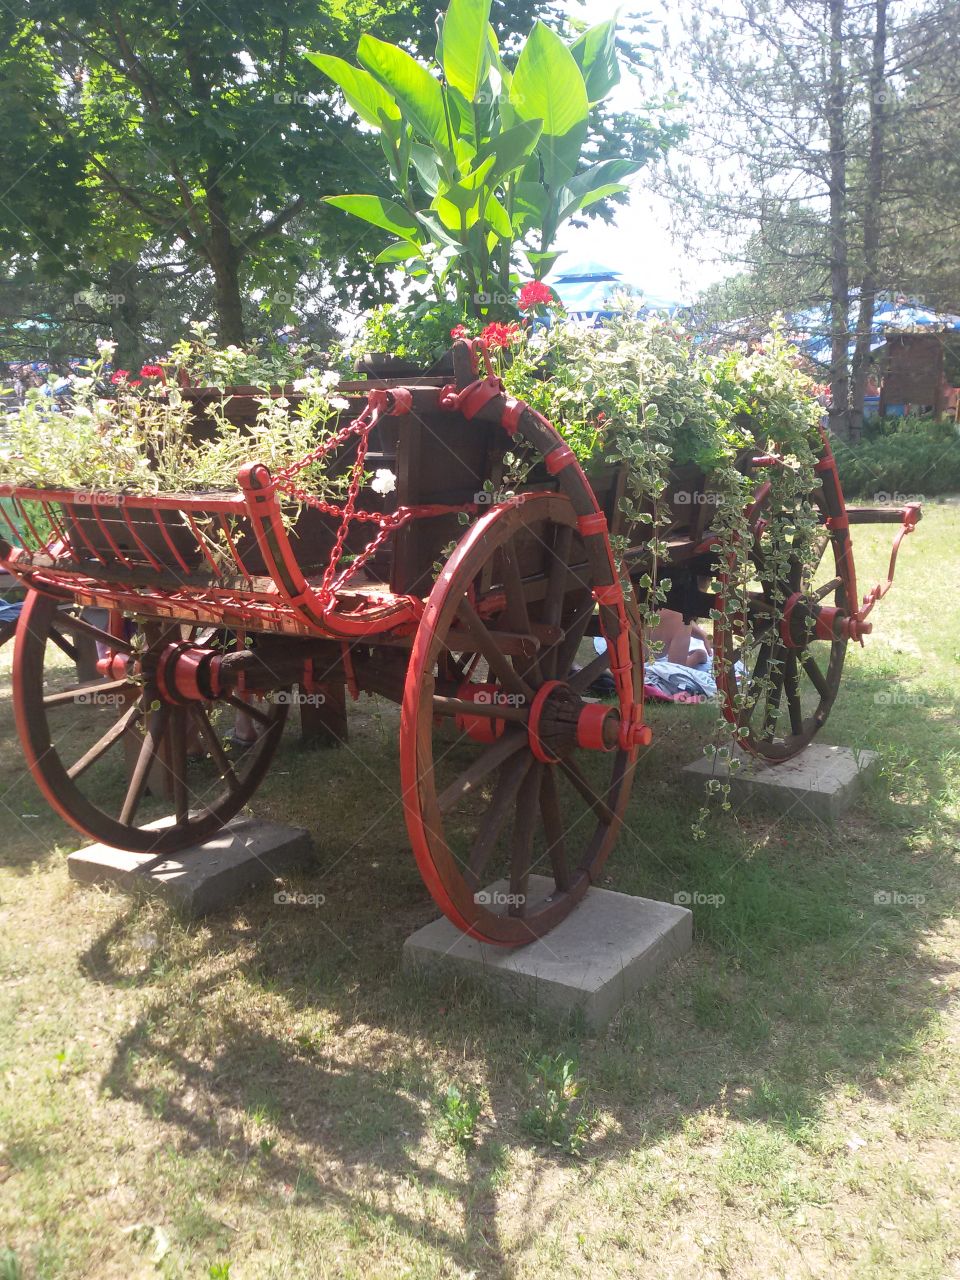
[219, 1271]
[557, 1117]
[10, 1268]
[459, 1111]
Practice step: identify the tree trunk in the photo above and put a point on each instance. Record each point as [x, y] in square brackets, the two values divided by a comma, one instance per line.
[225, 264]
[871, 219]
[126, 324]
[839, 258]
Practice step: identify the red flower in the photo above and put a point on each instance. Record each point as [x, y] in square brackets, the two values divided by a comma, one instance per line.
[458, 331]
[121, 375]
[533, 293]
[153, 371]
[500, 335]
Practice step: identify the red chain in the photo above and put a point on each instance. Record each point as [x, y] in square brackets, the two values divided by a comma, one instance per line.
[380, 403]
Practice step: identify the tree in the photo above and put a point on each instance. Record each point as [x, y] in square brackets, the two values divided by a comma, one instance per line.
[800, 104]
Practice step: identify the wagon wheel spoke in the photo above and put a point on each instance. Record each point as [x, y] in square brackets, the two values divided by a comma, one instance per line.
[64, 645]
[816, 676]
[98, 688]
[484, 764]
[828, 589]
[553, 829]
[586, 675]
[149, 751]
[73, 622]
[250, 709]
[214, 746]
[553, 600]
[792, 690]
[505, 793]
[103, 745]
[517, 613]
[177, 746]
[773, 692]
[523, 830]
[575, 633]
[498, 663]
[574, 775]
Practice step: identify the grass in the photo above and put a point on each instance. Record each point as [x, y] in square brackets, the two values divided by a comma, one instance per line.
[257, 1094]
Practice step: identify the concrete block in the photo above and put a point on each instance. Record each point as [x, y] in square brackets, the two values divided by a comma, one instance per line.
[207, 877]
[609, 946]
[822, 782]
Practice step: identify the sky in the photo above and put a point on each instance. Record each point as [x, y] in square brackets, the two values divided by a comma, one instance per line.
[640, 244]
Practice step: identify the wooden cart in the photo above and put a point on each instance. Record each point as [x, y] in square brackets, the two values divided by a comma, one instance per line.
[206, 607]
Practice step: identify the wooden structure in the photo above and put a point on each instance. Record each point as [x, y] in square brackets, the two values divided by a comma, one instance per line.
[466, 609]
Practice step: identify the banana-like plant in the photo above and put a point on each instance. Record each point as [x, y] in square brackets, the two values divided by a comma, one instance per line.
[485, 161]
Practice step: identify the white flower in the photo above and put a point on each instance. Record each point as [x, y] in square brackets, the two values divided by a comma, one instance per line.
[384, 481]
[106, 346]
[329, 379]
[304, 385]
[338, 402]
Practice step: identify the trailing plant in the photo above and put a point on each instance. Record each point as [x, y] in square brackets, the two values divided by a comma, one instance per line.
[487, 160]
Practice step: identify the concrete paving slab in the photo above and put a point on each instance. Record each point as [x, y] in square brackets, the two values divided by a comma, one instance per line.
[609, 946]
[823, 781]
[207, 877]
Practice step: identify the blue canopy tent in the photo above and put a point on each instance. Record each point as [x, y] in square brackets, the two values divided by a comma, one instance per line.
[896, 315]
[588, 289]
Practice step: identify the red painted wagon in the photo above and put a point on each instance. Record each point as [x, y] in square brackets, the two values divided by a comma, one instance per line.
[216, 604]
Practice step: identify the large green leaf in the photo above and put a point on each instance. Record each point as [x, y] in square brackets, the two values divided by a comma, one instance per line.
[464, 47]
[512, 148]
[495, 216]
[425, 162]
[369, 99]
[594, 184]
[381, 213]
[417, 93]
[548, 85]
[400, 251]
[595, 53]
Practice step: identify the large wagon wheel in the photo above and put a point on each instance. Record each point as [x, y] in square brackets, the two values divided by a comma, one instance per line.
[111, 754]
[507, 771]
[779, 680]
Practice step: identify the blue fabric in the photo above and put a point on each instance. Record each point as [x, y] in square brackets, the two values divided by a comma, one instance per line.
[10, 612]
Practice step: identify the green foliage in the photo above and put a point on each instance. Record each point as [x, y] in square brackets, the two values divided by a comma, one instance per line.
[483, 160]
[141, 440]
[10, 1268]
[206, 364]
[909, 465]
[421, 333]
[557, 1117]
[458, 1113]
